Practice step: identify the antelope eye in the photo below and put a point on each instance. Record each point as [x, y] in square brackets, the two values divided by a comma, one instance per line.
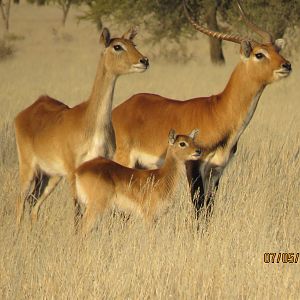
[259, 55]
[182, 144]
[118, 48]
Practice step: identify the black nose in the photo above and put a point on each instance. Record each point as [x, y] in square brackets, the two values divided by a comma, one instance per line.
[287, 66]
[198, 151]
[144, 61]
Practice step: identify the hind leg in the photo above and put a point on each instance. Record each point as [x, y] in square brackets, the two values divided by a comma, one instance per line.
[93, 209]
[88, 220]
[77, 207]
[27, 174]
[40, 183]
[43, 194]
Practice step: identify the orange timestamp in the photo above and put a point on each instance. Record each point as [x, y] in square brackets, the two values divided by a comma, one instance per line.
[281, 257]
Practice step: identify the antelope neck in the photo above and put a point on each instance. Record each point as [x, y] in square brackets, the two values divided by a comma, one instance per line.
[172, 168]
[240, 97]
[99, 104]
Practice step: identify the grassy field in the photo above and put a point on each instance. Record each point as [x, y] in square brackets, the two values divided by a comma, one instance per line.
[257, 208]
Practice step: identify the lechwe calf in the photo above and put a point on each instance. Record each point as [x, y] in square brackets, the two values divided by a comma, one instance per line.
[101, 183]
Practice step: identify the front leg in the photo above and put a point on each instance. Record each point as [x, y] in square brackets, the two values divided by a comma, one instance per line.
[212, 170]
[196, 184]
[204, 177]
[204, 180]
[211, 178]
[77, 206]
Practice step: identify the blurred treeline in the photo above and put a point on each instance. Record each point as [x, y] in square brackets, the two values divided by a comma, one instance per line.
[165, 19]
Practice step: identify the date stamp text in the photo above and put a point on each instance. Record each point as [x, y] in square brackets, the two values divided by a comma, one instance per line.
[276, 258]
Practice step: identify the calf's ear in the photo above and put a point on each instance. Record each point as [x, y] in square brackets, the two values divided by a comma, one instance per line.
[172, 137]
[194, 133]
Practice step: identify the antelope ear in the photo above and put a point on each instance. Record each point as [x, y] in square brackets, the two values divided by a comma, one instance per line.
[246, 48]
[105, 37]
[194, 133]
[172, 137]
[279, 44]
[130, 34]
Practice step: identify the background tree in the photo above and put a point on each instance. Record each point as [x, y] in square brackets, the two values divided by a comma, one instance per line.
[64, 5]
[132, 12]
[5, 12]
[166, 18]
[272, 15]
[216, 52]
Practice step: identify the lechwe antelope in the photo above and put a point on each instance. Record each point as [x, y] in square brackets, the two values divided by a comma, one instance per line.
[100, 183]
[53, 139]
[221, 118]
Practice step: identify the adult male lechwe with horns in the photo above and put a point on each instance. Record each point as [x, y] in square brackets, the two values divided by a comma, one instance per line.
[54, 139]
[221, 118]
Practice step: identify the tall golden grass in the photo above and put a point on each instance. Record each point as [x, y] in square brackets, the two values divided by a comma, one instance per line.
[257, 207]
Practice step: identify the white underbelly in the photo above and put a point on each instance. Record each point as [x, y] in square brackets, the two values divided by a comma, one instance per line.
[52, 167]
[126, 204]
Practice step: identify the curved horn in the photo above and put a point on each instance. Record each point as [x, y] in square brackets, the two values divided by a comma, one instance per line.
[218, 35]
[267, 37]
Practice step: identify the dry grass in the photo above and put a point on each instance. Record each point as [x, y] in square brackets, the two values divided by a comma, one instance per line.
[257, 207]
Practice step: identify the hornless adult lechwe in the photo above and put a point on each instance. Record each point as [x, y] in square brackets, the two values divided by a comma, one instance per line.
[54, 139]
[221, 118]
[101, 183]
